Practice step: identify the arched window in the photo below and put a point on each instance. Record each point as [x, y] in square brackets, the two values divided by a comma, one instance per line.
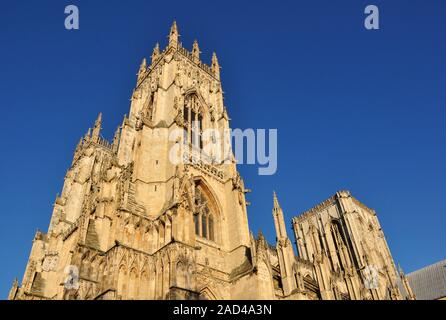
[211, 228]
[193, 122]
[204, 225]
[204, 219]
[197, 224]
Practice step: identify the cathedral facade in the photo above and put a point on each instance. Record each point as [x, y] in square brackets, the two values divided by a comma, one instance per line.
[130, 224]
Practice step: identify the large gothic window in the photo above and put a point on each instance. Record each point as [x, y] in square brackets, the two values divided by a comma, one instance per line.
[203, 217]
[193, 122]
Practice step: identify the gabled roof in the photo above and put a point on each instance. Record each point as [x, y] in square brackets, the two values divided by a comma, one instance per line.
[429, 283]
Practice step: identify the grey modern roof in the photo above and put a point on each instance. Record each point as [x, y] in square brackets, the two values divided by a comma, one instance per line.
[429, 283]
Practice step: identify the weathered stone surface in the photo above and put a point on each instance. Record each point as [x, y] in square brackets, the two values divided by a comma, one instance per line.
[136, 226]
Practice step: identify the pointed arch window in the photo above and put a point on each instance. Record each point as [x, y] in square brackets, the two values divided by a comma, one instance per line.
[211, 228]
[204, 226]
[204, 219]
[193, 122]
[197, 224]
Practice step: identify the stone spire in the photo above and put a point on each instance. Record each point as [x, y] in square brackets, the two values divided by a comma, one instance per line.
[97, 128]
[279, 221]
[173, 36]
[116, 139]
[196, 52]
[142, 69]
[79, 145]
[14, 289]
[156, 52]
[88, 135]
[400, 270]
[406, 284]
[284, 248]
[215, 66]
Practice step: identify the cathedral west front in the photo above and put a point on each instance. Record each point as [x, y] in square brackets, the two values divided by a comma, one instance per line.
[131, 224]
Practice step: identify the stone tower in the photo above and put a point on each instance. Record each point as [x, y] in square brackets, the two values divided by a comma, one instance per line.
[132, 222]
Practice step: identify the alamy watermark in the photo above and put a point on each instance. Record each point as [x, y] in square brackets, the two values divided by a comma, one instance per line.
[371, 22]
[71, 281]
[72, 18]
[371, 277]
[214, 147]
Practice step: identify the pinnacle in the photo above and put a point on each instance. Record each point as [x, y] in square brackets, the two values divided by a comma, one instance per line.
[276, 201]
[173, 35]
[99, 119]
[174, 26]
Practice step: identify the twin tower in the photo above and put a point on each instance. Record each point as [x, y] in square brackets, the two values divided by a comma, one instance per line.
[130, 224]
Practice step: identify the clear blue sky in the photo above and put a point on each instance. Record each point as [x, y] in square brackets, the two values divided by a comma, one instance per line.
[355, 109]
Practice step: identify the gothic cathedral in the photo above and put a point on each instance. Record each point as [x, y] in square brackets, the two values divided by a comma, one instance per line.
[130, 224]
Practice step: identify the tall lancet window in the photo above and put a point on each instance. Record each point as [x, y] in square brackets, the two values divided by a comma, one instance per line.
[203, 218]
[193, 122]
[211, 227]
[204, 225]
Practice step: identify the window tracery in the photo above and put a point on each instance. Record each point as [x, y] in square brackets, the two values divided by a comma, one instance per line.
[193, 122]
[204, 218]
